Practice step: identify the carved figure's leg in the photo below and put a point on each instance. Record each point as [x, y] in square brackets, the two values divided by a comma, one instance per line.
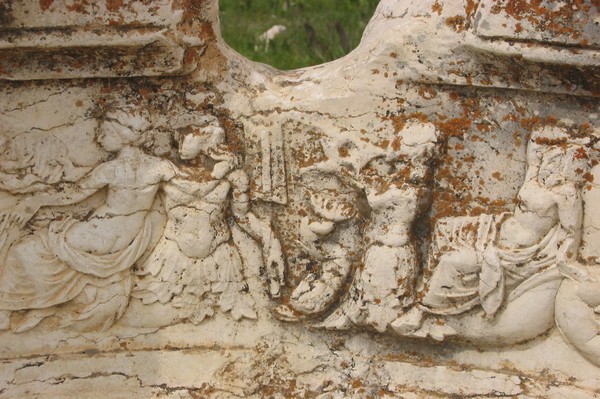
[381, 290]
[453, 288]
[454, 284]
[98, 308]
[388, 282]
[577, 316]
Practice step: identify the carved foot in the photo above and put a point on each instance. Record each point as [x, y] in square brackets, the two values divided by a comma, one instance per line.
[338, 320]
[312, 296]
[409, 322]
[287, 313]
[413, 324]
[439, 332]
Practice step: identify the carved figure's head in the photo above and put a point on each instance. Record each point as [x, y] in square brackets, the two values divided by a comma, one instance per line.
[563, 164]
[558, 158]
[121, 128]
[203, 137]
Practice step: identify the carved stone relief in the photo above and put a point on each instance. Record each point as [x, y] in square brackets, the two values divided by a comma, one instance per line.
[414, 220]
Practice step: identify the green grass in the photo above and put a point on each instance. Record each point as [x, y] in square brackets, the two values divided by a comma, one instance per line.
[317, 30]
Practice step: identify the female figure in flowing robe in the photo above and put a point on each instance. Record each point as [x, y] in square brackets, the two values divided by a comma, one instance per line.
[481, 259]
[85, 264]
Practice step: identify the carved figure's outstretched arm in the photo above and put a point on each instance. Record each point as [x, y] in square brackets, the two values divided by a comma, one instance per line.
[19, 184]
[64, 194]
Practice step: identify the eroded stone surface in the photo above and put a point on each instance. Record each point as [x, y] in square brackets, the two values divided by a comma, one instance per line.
[414, 220]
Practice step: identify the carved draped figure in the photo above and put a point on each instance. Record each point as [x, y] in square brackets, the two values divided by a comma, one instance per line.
[475, 271]
[195, 255]
[44, 270]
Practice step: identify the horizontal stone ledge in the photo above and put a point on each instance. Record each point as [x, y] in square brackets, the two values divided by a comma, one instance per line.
[85, 53]
[235, 373]
[44, 14]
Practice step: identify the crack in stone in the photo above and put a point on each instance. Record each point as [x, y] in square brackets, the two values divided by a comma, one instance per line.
[24, 106]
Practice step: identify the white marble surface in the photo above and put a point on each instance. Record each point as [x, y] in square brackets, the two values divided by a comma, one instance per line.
[414, 220]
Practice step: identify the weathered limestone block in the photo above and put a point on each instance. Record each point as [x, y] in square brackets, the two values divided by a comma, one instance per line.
[417, 219]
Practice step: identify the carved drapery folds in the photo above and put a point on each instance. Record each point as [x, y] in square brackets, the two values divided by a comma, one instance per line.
[436, 184]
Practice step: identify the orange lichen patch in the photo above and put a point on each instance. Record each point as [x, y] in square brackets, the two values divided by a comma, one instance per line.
[567, 18]
[483, 127]
[437, 7]
[581, 154]
[190, 56]
[444, 173]
[357, 383]
[518, 27]
[393, 55]
[114, 5]
[476, 211]
[461, 22]
[427, 92]
[497, 203]
[78, 103]
[343, 152]
[536, 122]
[375, 71]
[45, 4]
[588, 177]
[510, 117]
[471, 108]
[192, 9]
[207, 31]
[78, 8]
[471, 8]
[454, 127]
[469, 228]
[396, 143]
[457, 23]
[498, 176]
[399, 121]
[459, 147]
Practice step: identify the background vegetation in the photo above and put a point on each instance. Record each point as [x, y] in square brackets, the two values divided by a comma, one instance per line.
[317, 30]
